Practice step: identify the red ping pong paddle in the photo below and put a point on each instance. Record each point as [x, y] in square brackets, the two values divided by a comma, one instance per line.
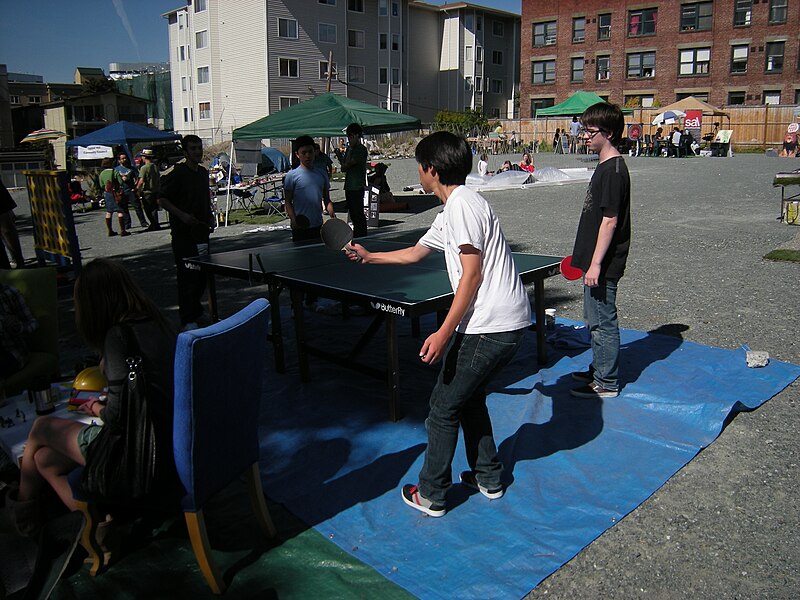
[336, 234]
[568, 271]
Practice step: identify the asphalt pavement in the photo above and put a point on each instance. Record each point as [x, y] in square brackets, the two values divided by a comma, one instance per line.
[725, 526]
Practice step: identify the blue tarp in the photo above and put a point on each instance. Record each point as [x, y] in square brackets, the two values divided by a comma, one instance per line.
[574, 467]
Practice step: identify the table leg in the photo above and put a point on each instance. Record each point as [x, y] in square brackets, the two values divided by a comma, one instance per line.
[273, 294]
[212, 296]
[393, 366]
[300, 332]
[538, 307]
[415, 328]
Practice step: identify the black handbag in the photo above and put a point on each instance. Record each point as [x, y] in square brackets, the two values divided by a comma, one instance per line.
[121, 460]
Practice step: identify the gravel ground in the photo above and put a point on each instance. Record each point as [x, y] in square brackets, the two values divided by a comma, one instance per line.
[724, 526]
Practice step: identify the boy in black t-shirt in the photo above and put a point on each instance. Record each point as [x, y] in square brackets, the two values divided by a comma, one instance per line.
[601, 248]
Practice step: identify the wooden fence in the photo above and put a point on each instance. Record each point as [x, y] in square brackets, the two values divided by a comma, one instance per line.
[754, 127]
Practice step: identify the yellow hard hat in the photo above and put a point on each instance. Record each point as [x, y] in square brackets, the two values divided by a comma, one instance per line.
[90, 379]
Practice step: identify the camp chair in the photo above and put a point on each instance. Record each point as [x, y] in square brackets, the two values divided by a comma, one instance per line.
[215, 431]
[38, 287]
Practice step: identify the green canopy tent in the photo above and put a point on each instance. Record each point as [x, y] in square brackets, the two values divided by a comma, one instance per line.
[326, 115]
[571, 107]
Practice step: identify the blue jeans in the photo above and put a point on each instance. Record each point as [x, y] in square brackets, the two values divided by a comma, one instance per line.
[459, 398]
[600, 314]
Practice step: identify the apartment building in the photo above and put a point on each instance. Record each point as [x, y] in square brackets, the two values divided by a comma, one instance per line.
[235, 62]
[725, 52]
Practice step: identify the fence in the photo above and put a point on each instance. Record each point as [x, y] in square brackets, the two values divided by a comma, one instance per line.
[754, 127]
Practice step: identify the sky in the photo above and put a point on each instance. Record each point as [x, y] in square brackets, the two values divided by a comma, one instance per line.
[52, 37]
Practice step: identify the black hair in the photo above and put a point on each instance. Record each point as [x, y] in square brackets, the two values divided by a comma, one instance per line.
[449, 154]
[190, 139]
[607, 118]
[354, 129]
[303, 140]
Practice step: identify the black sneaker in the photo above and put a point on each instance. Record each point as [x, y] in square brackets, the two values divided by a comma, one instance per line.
[469, 480]
[593, 390]
[112, 233]
[584, 376]
[414, 499]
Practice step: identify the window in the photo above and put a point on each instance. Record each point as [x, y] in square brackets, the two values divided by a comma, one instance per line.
[202, 75]
[355, 74]
[498, 28]
[34, 99]
[288, 67]
[185, 115]
[201, 39]
[469, 22]
[797, 96]
[497, 86]
[326, 33]
[576, 73]
[772, 97]
[183, 84]
[355, 5]
[479, 84]
[739, 59]
[603, 68]
[742, 13]
[468, 85]
[544, 34]
[328, 2]
[181, 53]
[694, 61]
[395, 76]
[395, 42]
[199, 6]
[774, 53]
[645, 101]
[777, 12]
[537, 103]
[13, 99]
[497, 57]
[495, 113]
[578, 29]
[287, 101]
[383, 76]
[543, 71]
[396, 13]
[396, 107]
[478, 54]
[383, 8]
[180, 21]
[323, 70]
[641, 65]
[736, 97]
[355, 38]
[204, 110]
[478, 22]
[642, 22]
[696, 16]
[468, 53]
[287, 28]
[604, 26]
[383, 41]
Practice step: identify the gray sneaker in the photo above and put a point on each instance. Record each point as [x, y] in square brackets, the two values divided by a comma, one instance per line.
[469, 480]
[593, 390]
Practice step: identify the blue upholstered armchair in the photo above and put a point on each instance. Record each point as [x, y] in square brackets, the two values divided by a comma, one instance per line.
[219, 374]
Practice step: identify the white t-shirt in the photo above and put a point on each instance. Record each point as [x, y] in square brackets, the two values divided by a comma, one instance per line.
[483, 166]
[501, 303]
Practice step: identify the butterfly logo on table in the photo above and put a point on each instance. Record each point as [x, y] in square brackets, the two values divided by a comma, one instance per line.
[388, 308]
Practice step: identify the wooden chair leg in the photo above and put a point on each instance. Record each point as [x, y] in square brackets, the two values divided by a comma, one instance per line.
[97, 558]
[256, 493]
[196, 525]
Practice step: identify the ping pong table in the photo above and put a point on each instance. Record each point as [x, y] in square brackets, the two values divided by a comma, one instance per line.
[391, 291]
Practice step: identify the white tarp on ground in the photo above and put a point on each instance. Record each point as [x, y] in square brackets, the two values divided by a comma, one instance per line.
[517, 180]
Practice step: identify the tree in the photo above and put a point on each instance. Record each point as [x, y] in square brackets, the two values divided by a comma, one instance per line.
[467, 123]
[98, 85]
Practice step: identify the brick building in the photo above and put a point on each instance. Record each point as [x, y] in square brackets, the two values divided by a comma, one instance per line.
[725, 52]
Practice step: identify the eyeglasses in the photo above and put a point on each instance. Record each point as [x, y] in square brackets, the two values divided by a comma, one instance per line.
[591, 133]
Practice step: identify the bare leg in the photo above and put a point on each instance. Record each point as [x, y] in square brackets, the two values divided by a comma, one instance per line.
[56, 437]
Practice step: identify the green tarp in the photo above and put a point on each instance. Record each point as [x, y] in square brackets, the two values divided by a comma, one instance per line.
[327, 115]
[573, 106]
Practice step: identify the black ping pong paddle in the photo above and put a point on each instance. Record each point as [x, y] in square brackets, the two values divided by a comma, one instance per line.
[336, 235]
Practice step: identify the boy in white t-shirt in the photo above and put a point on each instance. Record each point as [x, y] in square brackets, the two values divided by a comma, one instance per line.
[482, 331]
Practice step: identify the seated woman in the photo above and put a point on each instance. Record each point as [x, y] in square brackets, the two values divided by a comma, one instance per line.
[106, 297]
[483, 165]
[789, 148]
[526, 164]
[507, 166]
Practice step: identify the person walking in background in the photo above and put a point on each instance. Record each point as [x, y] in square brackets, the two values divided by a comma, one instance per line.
[354, 166]
[484, 328]
[129, 175]
[601, 248]
[111, 184]
[306, 190]
[574, 131]
[185, 195]
[148, 187]
[9, 237]
[557, 149]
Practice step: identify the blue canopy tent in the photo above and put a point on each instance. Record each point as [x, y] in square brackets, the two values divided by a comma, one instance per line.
[125, 134]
